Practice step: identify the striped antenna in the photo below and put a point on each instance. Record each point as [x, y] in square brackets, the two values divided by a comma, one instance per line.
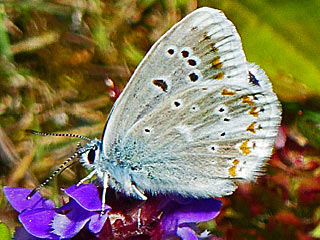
[60, 168]
[58, 134]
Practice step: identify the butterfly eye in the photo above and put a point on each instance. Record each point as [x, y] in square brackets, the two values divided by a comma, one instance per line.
[91, 155]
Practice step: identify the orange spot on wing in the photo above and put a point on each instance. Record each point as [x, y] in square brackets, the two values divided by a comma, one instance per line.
[216, 62]
[220, 75]
[232, 171]
[205, 36]
[213, 48]
[251, 127]
[246, 99]
[226, 92]
[254, 112]
[244, 147]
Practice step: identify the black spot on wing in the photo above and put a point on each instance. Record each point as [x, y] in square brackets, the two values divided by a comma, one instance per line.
[160, 83]
[185, 53]
[253, 79]
[192, 62]
[193, 77]
[147, 130]
[176, 103]
[171, 51]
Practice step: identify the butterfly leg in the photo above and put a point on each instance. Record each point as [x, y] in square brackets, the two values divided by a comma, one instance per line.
[139, 194]
[139, 218]
[104, 191]
[90, 175]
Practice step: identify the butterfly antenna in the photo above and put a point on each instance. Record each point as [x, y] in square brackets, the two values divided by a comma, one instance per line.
[65, 168]
[62, 166]
[58, 134]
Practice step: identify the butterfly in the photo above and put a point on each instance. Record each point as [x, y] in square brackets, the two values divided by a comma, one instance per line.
[194, 118]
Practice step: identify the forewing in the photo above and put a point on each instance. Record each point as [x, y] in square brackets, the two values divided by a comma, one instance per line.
[193, 118]
[204, 38]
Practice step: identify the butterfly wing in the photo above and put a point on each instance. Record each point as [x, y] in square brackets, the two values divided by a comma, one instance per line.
[195, 116]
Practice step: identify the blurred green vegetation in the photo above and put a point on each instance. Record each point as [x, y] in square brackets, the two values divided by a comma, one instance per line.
[55, 56]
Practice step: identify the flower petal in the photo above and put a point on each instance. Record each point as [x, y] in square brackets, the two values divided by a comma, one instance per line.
[69, 224]
[198, 210]
[38, 222]
[96, 222]
[21, 234]
[86, 195]
[194, 210]
[17, 197]
[187, 233]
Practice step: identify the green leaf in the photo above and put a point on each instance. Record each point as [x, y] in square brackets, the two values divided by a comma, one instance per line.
[4, 232]
[4, 39]
[133, 54]
[309, 125]
[316, 232]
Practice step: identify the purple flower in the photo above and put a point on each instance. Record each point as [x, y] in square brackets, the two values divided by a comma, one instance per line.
[179, 218]
[41, 219]
[129, 218]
